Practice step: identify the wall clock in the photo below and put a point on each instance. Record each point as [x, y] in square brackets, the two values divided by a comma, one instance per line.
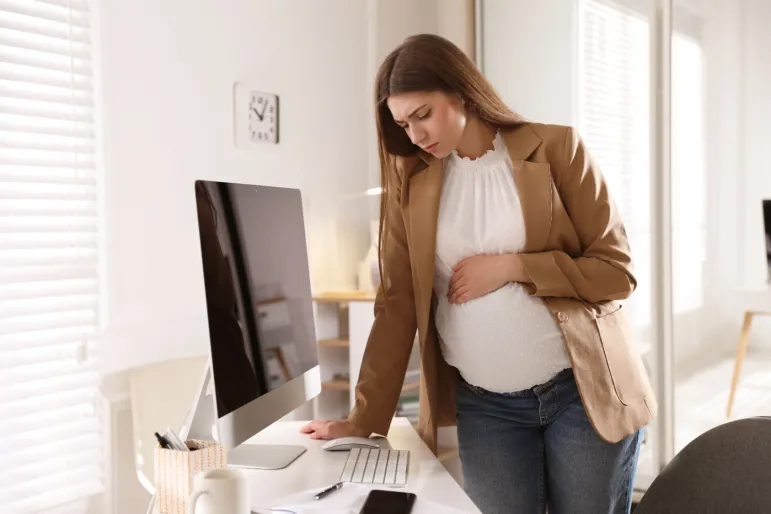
[256, 116]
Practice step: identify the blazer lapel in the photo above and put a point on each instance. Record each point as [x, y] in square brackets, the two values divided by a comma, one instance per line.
[534, 186]
[425, 193]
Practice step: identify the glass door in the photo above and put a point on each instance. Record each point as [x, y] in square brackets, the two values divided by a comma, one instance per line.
[607, 71]
[616, 118]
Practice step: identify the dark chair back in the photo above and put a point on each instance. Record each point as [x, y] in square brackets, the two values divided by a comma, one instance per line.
[726, 470]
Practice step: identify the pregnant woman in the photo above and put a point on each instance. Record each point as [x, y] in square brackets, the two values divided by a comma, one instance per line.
[502, 247]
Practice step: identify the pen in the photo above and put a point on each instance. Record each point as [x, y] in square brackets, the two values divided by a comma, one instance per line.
[175, 442]
[328, 491]
[162, 440]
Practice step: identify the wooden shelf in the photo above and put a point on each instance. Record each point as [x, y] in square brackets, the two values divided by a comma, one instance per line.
[344, 385]
[345, 296]
[412, 386]
[269, 301]
[336, 385]
[334, 343]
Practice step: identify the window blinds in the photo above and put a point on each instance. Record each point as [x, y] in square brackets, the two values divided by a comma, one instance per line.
[49, 436]
[614, 119]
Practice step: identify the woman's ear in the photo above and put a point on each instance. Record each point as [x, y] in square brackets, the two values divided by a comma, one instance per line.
[460, 103]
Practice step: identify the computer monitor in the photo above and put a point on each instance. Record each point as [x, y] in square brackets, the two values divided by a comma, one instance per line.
[767, 223]
[263, 352]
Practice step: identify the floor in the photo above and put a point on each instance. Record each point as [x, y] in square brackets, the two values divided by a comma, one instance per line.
[702, 399]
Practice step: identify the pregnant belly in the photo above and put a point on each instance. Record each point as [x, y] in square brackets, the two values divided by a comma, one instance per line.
[508, 313]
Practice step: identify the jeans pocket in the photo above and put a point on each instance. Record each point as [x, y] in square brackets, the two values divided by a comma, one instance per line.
[462, 384]
[469, 398]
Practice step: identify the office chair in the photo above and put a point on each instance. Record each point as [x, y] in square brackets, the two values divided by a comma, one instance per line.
[725, 470]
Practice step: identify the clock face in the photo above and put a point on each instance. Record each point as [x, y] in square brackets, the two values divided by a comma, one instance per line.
[263, 117]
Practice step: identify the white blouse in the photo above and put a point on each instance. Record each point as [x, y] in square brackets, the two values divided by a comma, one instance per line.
[507, 340]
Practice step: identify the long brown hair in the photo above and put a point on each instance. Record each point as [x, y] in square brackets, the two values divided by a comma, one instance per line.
[427, 63]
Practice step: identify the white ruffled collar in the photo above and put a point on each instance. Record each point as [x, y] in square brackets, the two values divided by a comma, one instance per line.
[490, 156]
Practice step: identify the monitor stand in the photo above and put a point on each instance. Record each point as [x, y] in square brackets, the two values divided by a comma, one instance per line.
[200, 424]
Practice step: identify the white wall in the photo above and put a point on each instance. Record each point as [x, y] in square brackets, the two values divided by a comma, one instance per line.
[168, 73]
[167, 76]
[390, 22]
[723, 45]
[739, 76]
[756, 109]
[529, 54]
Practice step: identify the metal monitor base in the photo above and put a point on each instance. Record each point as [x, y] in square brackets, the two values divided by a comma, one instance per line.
[200, 424]
[264, 456]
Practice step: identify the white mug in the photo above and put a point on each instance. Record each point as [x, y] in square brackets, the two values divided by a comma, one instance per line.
[220, 491]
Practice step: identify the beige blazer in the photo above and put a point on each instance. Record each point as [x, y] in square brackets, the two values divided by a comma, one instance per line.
[576, 255]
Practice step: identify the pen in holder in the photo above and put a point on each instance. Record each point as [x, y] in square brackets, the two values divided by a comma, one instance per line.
[175, 470]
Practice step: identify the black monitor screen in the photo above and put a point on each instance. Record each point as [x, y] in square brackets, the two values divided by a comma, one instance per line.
[258, 295]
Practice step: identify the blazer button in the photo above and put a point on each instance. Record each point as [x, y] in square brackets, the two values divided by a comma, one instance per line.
[562, 317]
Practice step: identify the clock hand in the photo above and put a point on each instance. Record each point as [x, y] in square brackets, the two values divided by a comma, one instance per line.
[264, 106]
[259, 115]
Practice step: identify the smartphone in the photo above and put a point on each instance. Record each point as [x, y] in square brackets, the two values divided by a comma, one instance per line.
[388, 502]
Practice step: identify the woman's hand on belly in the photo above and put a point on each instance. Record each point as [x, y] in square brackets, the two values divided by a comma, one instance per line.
[482, 274]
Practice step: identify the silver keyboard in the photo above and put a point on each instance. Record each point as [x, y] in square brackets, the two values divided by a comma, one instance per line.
[376, 466]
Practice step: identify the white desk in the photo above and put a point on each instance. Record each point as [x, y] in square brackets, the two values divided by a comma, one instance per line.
[317, 469]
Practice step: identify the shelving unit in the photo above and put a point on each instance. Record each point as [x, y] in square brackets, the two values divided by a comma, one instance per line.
[344, 297]
[336, 385]
[345, 385]
[332, 311]
[334, 343]
[343, 323]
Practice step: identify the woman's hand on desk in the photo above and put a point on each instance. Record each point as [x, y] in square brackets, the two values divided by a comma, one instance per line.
[332, 429]
[482, 274]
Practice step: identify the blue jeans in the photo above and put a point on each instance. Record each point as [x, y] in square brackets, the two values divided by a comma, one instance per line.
[521, 452]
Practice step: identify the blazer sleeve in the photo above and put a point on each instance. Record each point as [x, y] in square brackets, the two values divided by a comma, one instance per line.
[388, 349]
[603, 271]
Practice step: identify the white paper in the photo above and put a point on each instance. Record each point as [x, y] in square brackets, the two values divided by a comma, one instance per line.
[347, 500]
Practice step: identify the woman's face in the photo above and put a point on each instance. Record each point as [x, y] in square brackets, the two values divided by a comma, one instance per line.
[433, 121]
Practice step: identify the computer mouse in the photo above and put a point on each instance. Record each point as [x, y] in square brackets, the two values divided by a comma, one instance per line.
[347, 443]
